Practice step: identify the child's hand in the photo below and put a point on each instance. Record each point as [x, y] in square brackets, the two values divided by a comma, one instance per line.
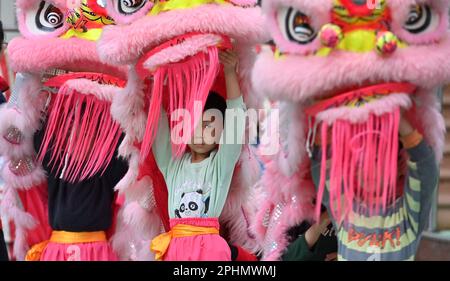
[230, 61]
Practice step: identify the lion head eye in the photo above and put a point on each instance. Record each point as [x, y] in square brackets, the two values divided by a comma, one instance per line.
[127, 7]
[45, 18]
[421, 18]
[296, 26]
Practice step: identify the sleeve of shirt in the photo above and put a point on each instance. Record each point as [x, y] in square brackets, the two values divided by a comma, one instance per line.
[423, 177]
[232, 138]
[162, 147]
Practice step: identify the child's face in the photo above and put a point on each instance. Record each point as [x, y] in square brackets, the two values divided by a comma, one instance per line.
[207, 134]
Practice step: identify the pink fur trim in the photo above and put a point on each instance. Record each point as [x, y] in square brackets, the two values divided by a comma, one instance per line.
[11, 210]
[36, 177]
[26, 4]
[121, 241]
[291, 135]
[128, 149]
[189, 47]
[20, 246]
[138, 226]
[23, 221]
[137, 217]
[42, 54]
[127, 108]
[10, 117]
[130, 177]
[361, 114]
[247, 57]
[237, 212]
[293, 215]
[29, 102]
[119, 45]
[143, 252]
[142, 193]
[419, 65]
[264, 206]
[295, 206]
[132, 245]
[88, 87]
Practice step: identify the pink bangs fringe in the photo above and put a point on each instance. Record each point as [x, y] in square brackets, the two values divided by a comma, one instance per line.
[187, 82]
[371, 148]
[80, 128]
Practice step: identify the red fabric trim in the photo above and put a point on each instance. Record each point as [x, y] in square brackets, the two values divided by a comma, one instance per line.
[35, 202]
[381, 89]
[59, 80]
[243, 255]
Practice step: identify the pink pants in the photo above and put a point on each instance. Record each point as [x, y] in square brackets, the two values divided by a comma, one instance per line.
[209, 247]
[95, 251]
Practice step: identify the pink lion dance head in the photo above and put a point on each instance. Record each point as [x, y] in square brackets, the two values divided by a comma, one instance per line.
[62, 85]
[171, 48]
[343, 71]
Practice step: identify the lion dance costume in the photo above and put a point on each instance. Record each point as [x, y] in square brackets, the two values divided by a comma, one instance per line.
[57, 134]
[171, 48]
[344, 72]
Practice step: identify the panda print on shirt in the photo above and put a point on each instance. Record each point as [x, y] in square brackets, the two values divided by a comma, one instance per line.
[193, 205]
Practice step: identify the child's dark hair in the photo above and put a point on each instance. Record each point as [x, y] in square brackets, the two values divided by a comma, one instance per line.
[216, 101]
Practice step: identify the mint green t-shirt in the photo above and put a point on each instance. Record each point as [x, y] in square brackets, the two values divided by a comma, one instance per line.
[199, 190]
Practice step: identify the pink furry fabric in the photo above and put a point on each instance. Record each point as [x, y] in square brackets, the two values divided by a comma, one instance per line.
[119, 45]
[35, 178]
[349, 69]
[188, 48]
[300, 77]
[241, 207]
[33, 55]
[277, 214]
[28, 95]
[11, 209]
[152, 31]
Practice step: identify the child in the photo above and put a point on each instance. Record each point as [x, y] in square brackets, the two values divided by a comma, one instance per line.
[315, 242]
[392, 234]
[199, 181]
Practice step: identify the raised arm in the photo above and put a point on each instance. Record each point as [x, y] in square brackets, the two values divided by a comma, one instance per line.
[423, 175]
[233, 134]
[162, 147]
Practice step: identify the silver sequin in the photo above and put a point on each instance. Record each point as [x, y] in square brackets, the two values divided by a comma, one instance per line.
[13, 135]
[22, 167]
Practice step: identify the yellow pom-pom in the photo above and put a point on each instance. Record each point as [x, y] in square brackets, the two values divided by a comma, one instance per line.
[387, 43]
[331, 35]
